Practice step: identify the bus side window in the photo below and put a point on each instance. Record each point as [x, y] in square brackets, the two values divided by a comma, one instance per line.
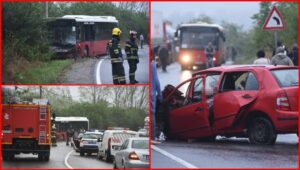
[78, 33]
[93, 32]
[82, 33]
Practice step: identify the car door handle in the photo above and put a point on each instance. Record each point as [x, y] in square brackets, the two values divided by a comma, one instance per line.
[199, 109]
[247, 96]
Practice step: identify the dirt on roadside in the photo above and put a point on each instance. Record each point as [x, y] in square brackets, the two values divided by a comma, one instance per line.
[81, 72]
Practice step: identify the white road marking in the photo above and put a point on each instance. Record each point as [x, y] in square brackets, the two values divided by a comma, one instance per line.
[173, 157]
[66, 160]
[98, 78]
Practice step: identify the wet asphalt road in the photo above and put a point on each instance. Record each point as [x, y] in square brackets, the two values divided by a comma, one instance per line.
[104, 71]
[224, 153]
[61, 156]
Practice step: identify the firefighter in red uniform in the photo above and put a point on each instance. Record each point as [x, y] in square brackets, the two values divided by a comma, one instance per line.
[131, 49]
[115, 52]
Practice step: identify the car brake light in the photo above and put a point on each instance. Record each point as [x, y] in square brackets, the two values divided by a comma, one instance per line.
[282, 102]
[133, 156]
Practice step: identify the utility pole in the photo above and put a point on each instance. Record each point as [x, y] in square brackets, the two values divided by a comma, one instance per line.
[41, 92]
[46, 10]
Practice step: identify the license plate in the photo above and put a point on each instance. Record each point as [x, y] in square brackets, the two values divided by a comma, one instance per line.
[92, 142]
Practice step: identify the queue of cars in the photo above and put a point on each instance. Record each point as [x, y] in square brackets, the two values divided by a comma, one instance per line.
[123, 147]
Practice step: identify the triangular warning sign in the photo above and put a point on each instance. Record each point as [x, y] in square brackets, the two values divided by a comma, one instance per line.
[274, 20]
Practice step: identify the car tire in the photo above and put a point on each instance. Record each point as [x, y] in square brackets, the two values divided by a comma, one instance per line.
[107, 156]
[262, 132]
[123, 165]
[41, 156]
[81, 153]
[115, 165]
[7, 156]
[99, 156]
[208, 139]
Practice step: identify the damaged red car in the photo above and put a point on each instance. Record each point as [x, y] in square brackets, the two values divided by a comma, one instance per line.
[257, 102]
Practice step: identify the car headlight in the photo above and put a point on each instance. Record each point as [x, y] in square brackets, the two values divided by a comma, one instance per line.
[186, 58]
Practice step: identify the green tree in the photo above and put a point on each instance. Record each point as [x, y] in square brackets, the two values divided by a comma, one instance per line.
[265, 39]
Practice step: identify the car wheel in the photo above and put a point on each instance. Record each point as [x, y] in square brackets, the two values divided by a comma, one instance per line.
[99, 156]
[123, 165]
[261, 131]
[208, 139]
[107, 156]
[115, 165]
[7, 156]
[81, 153]
[40, 156]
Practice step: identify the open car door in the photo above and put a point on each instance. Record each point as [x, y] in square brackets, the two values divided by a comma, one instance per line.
[237, 91]
[187, 116]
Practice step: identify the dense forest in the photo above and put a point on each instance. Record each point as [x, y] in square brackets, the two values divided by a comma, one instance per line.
[25, 33]
[103, 106]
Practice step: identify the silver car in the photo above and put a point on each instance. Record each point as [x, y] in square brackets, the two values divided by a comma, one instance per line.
[134, 153]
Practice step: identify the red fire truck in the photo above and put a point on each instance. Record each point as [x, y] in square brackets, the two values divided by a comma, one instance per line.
[80, 35]
[26, 129]
[192, 39]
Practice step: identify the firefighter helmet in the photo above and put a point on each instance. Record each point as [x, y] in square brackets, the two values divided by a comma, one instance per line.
[116, 31]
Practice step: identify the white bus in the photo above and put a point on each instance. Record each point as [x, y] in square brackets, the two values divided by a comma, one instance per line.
[62, 124]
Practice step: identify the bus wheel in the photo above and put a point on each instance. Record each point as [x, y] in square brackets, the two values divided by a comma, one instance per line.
[86, 52]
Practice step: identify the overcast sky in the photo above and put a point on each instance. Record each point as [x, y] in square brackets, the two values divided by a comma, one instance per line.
[235, 12]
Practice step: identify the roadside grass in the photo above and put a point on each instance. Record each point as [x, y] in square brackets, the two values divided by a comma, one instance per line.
[42, 72]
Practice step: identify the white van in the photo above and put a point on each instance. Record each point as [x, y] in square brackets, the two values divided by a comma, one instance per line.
[112, 140]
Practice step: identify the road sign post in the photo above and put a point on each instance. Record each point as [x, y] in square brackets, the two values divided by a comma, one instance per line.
[274, 22]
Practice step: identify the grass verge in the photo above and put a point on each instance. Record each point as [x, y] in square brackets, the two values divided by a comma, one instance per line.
[42, 72]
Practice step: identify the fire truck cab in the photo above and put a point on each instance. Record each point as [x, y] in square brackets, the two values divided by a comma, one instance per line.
[26, 129]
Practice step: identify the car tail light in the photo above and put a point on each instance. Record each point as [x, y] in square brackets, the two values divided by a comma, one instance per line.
[282, 102]
[133, 156]
[82, 142]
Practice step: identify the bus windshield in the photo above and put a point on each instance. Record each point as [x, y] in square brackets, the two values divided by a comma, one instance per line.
[63, 33]
[199, 37]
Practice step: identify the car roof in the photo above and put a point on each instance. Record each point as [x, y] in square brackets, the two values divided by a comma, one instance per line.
[139, 138]
[241, 67]
[94, 133]
[120, 131]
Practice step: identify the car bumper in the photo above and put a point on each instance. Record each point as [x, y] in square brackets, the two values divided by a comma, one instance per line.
[287, 122]
[137, 164]
[89, 149]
